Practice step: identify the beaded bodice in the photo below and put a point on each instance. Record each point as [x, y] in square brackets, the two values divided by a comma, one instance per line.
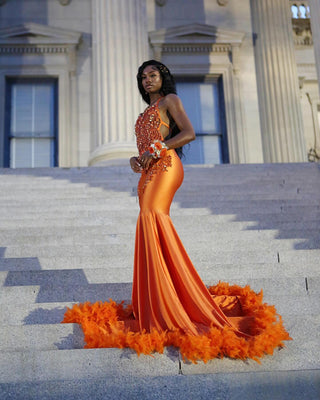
[147, 130]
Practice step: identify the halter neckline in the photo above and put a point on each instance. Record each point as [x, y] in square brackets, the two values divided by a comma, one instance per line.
[155, 102]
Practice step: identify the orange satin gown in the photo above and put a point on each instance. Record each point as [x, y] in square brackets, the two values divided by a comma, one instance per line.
[170, 303]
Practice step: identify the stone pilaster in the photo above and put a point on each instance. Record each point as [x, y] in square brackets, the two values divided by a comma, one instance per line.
[277, 79]
[119, 46]
[315, 27]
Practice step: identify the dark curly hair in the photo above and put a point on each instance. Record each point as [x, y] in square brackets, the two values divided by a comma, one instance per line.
[168, 86]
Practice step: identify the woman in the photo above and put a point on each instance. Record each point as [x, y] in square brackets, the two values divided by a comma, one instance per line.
[170, 303]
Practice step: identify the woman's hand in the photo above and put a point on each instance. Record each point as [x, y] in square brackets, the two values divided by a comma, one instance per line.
[145, 160]
[135, 164]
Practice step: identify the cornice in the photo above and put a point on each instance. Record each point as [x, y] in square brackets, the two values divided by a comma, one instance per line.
[197, 39]
[62, 2]
[36, 34]
[192, 34]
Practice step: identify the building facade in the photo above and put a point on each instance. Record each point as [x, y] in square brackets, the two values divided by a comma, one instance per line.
[247, 72]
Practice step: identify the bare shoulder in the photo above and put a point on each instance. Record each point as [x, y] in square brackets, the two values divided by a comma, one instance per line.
[172, 101]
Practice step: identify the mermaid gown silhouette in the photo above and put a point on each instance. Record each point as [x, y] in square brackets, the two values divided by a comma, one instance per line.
[171, 306]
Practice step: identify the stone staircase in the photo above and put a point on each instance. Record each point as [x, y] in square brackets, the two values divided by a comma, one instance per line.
[67, 235]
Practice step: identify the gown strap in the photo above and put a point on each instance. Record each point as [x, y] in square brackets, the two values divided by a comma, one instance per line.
[161, 120]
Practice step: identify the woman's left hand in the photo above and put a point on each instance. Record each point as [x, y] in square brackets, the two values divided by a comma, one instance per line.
[145, 160]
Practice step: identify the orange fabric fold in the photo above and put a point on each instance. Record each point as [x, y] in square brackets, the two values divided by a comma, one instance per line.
[171, 306]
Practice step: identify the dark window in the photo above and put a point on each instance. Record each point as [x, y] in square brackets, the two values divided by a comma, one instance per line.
[31, 123]
[204, 103]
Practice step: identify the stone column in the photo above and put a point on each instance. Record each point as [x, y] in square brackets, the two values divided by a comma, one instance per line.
[277, 79]
[119, 46]
[315, 28]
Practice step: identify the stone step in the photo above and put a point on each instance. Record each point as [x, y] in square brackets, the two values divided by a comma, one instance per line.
[210, 274]
[215, 184]
[285, 385]
[119, 199]
[198, 216]
[30, 366]
[202, 260]
[108, 232]
[80, 290]
[268, 215]
[301, 353]
[209, 248]
[35, 313]
[223, 224]
[70, 336]
[221, 239]
[105, 217]
[40, 203]
[41, 337]
[229, 170]
[77, 242]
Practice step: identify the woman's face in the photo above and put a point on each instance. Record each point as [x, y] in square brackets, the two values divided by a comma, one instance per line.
[151, 80]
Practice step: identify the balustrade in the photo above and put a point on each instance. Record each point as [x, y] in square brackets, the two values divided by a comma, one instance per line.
[300, 9]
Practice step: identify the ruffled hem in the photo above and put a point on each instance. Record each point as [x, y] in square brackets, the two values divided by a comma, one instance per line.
[111, 324]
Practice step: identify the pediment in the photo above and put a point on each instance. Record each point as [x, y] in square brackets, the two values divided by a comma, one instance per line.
[31, 33]
[195, 34]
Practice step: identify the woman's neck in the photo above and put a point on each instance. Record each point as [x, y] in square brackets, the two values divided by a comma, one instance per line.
[154, 98]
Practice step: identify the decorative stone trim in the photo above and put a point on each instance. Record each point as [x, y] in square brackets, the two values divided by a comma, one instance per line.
[185, 48]
[196, 39]
[195, 34]
[33, 50]
[302, 35]
[29, 34]
[222, 2]
[64, 2]
[33, 38]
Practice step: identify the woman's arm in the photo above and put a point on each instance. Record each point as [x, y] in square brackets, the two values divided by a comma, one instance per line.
[174, 106]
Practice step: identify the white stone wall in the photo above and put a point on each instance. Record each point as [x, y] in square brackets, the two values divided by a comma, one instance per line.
[232, 17]
[74, 17]
[237, 64]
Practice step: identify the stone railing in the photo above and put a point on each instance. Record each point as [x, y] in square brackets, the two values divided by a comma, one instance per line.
[300, 13]
[299, 9]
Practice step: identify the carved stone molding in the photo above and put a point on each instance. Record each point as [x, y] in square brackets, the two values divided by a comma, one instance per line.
[302, 35]
[64, 2]
[196, 38]
[161, 2]
[31, 38]
[29, 34]
[196, 48]
[222, 2]
[33, 50]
